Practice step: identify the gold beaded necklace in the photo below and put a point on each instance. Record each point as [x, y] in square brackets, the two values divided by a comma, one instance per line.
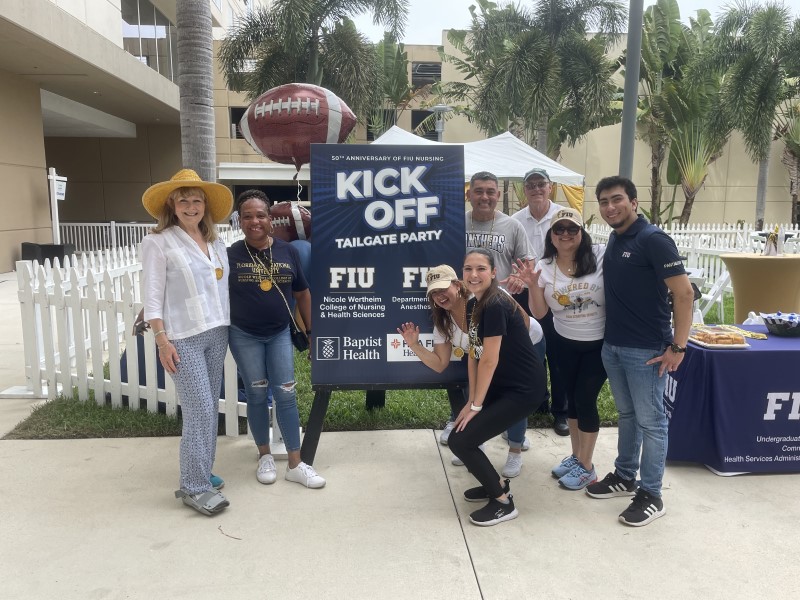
[562, 299]
[264, 284]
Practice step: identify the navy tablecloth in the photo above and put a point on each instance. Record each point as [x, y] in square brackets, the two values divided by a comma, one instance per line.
[737, 410]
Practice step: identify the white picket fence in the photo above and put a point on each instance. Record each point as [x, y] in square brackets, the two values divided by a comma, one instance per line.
[78, 318]
[702, 244]
[90, 237]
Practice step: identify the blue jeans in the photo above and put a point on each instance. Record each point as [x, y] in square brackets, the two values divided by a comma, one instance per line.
[639, 395]
[267, 362]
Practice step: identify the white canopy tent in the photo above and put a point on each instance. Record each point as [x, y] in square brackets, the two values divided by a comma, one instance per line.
[504, 155]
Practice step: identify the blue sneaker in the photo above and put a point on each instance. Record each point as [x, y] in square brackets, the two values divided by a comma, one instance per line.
[565, 466]
[217, 482]
[578, 478]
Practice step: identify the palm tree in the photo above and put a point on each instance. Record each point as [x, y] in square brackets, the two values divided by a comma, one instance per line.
[195, 85]
[312, 41]
[789, 132]
[757, 48]
[536, 72]
[691, 153]
[662, 36]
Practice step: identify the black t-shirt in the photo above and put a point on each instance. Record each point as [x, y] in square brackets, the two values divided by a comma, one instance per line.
[517, 365]
[258, 312]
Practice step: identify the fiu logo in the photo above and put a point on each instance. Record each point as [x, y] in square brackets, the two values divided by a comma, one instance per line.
[775, 405]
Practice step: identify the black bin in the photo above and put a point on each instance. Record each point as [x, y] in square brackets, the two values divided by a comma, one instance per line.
[41, 252]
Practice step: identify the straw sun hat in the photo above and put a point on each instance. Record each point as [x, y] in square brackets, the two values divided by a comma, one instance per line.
[219, 200]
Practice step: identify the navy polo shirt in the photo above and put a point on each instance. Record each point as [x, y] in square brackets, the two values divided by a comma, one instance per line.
[635, 265]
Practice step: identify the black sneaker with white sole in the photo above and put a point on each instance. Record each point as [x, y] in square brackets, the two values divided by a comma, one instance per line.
[611, 486]
[494, 512]
[478, 494]
[644, 508]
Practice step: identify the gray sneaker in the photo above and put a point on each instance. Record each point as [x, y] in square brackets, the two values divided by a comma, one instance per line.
[513, 465]
[445, 435]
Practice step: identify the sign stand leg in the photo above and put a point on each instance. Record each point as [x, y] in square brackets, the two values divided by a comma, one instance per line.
[314, 428]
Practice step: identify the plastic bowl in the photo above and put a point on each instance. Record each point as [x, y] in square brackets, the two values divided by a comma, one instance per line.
[783, 329]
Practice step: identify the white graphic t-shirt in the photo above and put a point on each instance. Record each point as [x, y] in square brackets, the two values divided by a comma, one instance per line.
[578, 303]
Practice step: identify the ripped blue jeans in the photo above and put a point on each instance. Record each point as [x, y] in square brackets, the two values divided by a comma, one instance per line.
[262, 362]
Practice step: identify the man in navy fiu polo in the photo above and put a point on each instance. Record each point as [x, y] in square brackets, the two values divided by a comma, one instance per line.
[641, 268]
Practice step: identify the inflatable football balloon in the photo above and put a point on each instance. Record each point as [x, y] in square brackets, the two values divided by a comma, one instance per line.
[283, 122]
[290, 221]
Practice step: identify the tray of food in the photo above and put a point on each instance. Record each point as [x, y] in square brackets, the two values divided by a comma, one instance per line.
[709, 336]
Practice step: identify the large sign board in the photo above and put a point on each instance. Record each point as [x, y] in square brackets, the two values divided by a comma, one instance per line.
[383, 215]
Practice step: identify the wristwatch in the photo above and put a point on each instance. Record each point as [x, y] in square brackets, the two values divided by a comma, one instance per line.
[677, 349]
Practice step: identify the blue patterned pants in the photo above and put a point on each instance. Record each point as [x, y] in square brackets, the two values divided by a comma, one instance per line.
[198, 382]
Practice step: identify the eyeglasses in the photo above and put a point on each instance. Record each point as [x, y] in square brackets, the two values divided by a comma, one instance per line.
[536, 186]
[562, 229]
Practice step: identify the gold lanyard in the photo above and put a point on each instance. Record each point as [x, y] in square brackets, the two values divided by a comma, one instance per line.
[562, 299]
[220, 270]
[264, 284]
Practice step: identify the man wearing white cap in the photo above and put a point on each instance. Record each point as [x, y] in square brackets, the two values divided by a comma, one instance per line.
[535, 219]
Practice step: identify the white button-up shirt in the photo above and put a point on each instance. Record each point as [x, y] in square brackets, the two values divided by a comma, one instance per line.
[536, 230]
[180, 283]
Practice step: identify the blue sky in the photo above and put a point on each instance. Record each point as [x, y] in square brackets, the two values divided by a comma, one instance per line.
[427, 18]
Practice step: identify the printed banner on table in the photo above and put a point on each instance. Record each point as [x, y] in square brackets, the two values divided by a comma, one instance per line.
[737, 410]
[383, 215]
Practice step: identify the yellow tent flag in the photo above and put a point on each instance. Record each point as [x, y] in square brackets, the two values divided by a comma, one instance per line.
[574, 194]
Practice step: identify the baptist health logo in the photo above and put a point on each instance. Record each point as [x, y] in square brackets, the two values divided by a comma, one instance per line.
[329, 348]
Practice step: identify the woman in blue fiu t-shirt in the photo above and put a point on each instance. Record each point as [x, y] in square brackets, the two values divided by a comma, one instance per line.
[265, 273]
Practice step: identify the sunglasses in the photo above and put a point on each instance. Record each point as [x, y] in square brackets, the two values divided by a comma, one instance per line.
[562, 229]
[536, 186]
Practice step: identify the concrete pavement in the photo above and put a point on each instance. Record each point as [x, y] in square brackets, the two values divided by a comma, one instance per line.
[95, 519]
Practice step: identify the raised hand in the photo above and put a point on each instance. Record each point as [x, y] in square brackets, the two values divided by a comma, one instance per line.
[526, 272]
[410, 333]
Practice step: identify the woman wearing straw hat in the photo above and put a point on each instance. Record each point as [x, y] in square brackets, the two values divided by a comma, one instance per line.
[185, 273]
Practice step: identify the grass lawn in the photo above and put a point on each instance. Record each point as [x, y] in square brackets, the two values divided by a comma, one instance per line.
[405, 409]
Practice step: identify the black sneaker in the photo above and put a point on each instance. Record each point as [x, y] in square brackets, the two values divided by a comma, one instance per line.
[478, 494]
[610, 486]
[495, 512]
[644, 508]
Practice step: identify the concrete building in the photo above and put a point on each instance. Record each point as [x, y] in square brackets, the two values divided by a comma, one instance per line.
[88, 87]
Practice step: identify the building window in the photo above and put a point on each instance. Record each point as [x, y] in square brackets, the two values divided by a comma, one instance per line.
[149, 36]
[425, 73]
[417, 117]
[236, 113]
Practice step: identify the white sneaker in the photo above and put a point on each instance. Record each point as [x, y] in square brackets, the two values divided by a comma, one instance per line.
[305, 475]
[526, 443]
[513, 465]
[457, 462]
[266, 472]
[445, 435]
